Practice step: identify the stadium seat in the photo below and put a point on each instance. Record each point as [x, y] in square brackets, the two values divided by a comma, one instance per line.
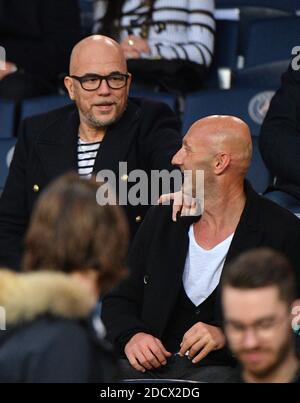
[261, 76]
[36, 106]
[258, 174]
[6, 153]
[7, 115]
[249, 104]
[270, 40]
[156, 96]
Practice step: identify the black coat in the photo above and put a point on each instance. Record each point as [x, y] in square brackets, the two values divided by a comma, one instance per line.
[39, 35]
[146, 137]
[280, 135]
[52, 349]
[144, 302]
[53, 332]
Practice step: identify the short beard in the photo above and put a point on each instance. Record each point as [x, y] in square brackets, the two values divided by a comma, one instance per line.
[280, 358]
[98, 124]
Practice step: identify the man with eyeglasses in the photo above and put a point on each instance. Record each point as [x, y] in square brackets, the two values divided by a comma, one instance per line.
[260, 311]
[101, 130]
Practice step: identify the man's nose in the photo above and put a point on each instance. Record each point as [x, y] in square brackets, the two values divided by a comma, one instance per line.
[103, 88]
[177, 159]
[250, 340]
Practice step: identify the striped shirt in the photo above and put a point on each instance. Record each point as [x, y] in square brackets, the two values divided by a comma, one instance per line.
[178, 29]
[86, 154]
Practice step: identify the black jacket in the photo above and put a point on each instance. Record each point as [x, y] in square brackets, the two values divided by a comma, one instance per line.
[39, 35]
[280, 135]
[144, 302]
[49, 334]
[146, 137]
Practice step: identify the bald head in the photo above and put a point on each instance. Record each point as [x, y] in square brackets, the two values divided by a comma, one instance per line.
[96, 49]
[224, 134]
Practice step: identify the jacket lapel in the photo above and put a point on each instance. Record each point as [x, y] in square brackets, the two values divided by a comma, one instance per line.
[117, 141]
[57, 145]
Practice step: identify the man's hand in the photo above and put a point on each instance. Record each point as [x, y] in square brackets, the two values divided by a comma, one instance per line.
[134, 46]
[200, 340]
[185, 204]
[9, 69]
[144, 351]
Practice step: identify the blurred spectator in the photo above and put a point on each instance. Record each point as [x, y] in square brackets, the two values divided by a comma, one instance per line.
[259, 295]
[280, 142]
[167, 42]
[38, 36]
[75, 249]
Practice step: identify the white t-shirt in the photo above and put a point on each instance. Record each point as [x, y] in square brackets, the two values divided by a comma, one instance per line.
[203, 268]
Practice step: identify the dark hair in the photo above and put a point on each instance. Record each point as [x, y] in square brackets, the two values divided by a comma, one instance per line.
[70, 232]
[260, 268]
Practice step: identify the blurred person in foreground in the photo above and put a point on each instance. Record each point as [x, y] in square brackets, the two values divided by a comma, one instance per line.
[259, 297]
[74, 251]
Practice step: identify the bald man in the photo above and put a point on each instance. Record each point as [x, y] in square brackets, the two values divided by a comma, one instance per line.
[102, 129]
[165, 319]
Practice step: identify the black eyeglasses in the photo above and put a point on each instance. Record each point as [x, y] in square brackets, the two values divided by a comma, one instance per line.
[92, 82]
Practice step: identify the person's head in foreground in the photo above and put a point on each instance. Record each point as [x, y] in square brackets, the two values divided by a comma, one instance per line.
[258, 295]
[75, 249]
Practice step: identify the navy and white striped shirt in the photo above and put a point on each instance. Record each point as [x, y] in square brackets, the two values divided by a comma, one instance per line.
[179, 29]
[86, 154]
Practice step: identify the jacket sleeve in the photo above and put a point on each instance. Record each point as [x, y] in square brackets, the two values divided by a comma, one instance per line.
[122, 308]
[280, 133]
[13, 207]
[198, 45]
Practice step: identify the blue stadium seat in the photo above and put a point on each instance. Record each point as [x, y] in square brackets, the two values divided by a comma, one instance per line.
[156, 96]
[270, 40]
[258, 174]
[261, 76]
[36, 106]
[287, 5]
[249, 104]
[7, 114]
[6, 152]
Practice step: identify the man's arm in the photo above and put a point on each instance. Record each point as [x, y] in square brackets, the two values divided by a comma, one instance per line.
[280, 133]
[14, 212]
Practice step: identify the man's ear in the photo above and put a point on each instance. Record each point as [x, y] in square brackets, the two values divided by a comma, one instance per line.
[69, 86]
[222, 161]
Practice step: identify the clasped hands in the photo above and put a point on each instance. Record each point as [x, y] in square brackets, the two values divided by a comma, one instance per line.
[146, 352]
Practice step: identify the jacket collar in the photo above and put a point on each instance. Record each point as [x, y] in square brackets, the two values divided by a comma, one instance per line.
[57, 144]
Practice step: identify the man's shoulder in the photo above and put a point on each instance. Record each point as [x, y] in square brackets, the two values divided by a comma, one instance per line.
[43, 120]
[272, 212]
[145, 106]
